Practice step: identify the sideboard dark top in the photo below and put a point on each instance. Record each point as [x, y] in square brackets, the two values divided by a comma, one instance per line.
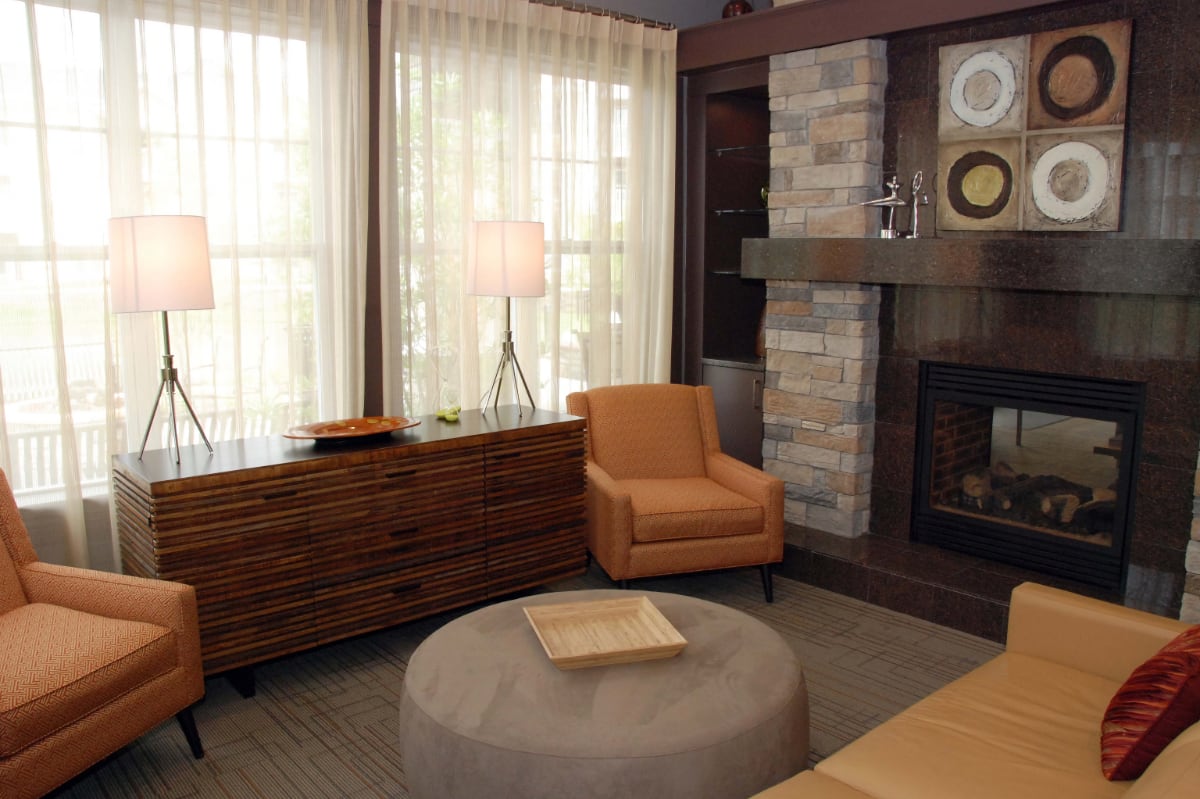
[1163, 267]
[158, 468]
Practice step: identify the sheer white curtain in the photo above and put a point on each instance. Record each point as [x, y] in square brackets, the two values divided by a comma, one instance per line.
[506, 109]
[251, 113]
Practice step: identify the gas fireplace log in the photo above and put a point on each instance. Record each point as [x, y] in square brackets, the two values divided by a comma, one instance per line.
[1052, 485]
[1096, 517]
[978, 486]
[1001, 491]
[1022, 501]
[1062, 508]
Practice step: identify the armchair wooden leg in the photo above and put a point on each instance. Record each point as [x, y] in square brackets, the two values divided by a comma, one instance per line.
[622, 584]
[768, 586]
[188, 723]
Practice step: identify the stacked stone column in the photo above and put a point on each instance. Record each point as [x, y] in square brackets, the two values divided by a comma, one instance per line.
[823, 338]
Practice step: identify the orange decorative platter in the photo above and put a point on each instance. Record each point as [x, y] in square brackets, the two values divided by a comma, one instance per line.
[351, 428]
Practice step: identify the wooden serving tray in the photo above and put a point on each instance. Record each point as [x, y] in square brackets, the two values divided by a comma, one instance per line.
[577, 635]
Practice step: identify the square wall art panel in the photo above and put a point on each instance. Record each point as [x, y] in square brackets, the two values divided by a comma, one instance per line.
[979, 184]
[1031, 130]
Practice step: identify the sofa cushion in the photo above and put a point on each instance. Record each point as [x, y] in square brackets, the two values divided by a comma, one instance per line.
[1017, 726]
[810, 785]
[1160, 699]
[58, 665]
[689, 507]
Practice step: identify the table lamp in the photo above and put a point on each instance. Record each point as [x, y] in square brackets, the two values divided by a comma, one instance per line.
[160, 263]
[507, 259]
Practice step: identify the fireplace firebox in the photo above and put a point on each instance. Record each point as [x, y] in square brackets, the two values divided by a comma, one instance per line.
[1028, 468]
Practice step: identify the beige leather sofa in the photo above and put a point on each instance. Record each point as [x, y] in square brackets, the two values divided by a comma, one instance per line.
[1025, 725]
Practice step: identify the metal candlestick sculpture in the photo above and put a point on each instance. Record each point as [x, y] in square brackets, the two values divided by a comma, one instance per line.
[893, 201]
[889, 205]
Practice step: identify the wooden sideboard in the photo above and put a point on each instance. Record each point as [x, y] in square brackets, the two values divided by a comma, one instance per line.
[291, 544]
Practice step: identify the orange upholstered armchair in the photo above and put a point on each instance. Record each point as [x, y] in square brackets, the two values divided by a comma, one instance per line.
[89, 661]
[661, 496]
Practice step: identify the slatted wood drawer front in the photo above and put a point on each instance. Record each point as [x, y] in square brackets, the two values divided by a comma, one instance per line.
[398, 540]
[535, 511]
[245, 548]
[294, 544]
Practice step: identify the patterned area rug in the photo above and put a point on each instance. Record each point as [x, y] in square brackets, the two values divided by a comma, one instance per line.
[325, 723]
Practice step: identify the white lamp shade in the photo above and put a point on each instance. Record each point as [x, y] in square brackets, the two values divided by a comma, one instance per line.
[159, 263]
[507, 259]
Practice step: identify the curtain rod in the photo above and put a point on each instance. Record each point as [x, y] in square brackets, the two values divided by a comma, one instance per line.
[604, 12]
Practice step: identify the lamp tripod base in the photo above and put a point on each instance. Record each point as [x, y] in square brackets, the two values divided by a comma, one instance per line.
[508, 361]
[170, 385]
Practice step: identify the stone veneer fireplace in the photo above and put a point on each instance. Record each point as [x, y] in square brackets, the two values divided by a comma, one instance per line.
[1144, 332]
[851, 318]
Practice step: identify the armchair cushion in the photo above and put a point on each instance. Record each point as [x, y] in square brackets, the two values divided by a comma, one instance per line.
[689, 507]
[58, 665]
[650, 430]
[11, 593]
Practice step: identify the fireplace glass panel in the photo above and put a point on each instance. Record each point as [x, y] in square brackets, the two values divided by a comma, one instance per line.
[1028, 468]
[1050, 473]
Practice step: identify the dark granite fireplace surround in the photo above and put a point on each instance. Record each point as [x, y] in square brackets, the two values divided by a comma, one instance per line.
[1077, 323]
[1150, 339]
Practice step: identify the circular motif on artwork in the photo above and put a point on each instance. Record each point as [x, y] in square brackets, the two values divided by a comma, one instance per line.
[983, 89]
[1070, 181]
[979, 185]
[1076, 77]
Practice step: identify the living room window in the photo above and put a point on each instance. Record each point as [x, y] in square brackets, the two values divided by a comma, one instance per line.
[525, 112]
[245, 113]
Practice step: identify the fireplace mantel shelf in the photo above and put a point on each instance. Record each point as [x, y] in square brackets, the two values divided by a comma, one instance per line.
[1161, 267]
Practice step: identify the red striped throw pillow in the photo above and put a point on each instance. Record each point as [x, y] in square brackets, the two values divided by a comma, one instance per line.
[1160, 699]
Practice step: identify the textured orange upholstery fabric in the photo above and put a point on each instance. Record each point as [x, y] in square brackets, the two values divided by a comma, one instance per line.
[12, 595]
[662, 498]
[61, 664]
[689, 507]
[89, 661]
[646, 431]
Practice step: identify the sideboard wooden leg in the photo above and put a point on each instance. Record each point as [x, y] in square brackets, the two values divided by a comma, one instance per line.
[242, 680]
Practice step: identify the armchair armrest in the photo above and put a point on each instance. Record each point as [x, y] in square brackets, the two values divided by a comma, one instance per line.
[1088, 634]
[609, 508]
[120, 596]
[765, 489]
[742, 478]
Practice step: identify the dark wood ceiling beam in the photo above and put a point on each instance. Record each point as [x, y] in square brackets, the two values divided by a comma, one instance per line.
[818, 23]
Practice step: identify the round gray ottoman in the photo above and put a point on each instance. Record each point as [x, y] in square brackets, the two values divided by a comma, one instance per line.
[486, 715]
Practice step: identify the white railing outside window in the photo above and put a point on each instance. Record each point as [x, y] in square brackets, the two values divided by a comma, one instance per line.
[247, 113]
